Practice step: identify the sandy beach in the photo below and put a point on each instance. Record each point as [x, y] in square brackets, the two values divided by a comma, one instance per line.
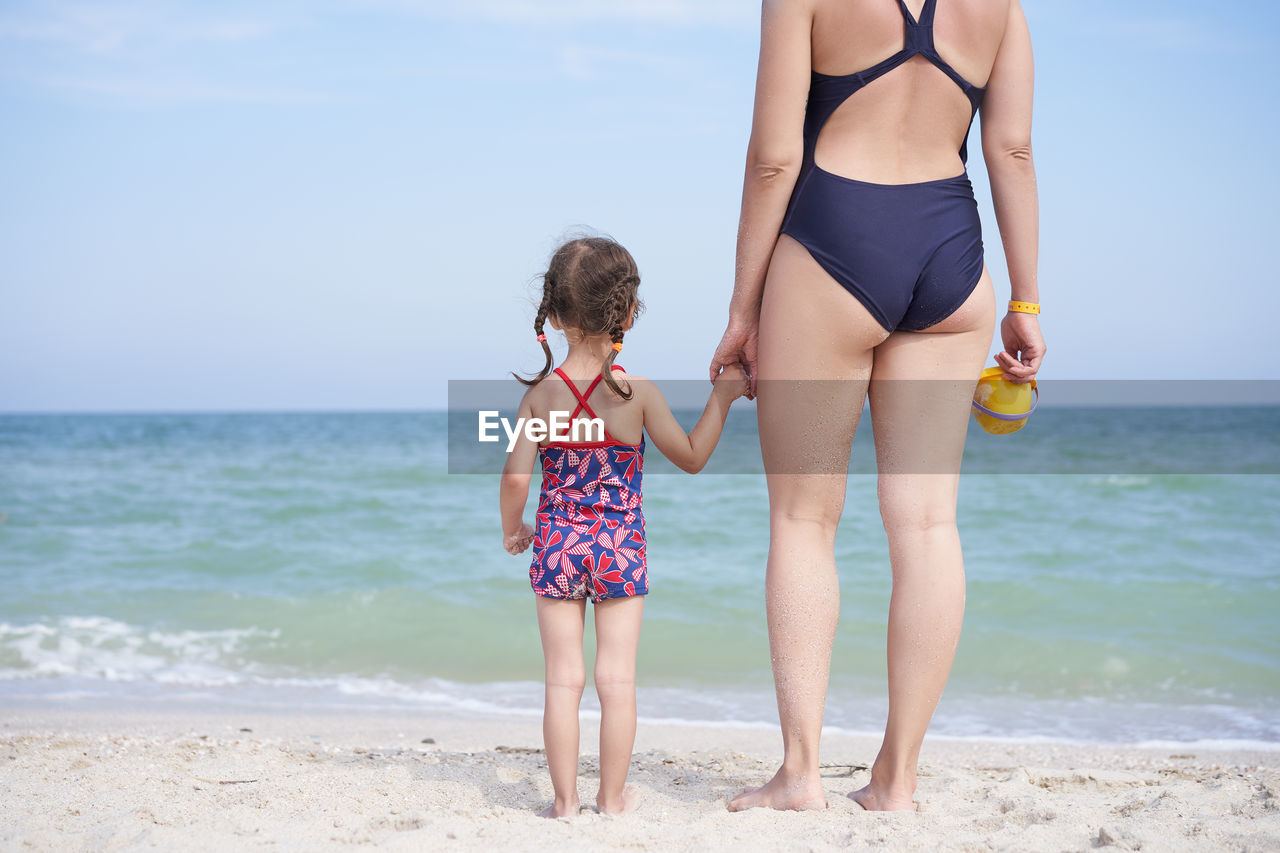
[125, 778]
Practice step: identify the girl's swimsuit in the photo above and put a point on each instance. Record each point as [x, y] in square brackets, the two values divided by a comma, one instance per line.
[589, 541]
[911, 253]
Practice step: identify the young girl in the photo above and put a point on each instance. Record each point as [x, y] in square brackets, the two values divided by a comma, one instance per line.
[589, 541]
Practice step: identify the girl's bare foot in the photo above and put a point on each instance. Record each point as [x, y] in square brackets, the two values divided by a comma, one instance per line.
[783, 791]
[559, 809]
[628, 802]
[880, 801]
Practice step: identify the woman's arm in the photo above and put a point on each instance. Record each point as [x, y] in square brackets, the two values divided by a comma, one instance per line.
[774, 154]
[689, 452]
[1006, 147]
[776, 146]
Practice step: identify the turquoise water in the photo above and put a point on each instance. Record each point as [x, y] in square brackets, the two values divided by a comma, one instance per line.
[330, 559]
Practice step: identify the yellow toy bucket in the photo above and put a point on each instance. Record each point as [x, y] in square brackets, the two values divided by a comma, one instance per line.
[1000, 406]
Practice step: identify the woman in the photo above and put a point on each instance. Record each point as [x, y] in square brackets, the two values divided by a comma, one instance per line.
[859, 266]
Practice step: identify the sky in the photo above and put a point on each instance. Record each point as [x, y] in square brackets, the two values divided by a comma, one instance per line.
[342, 204]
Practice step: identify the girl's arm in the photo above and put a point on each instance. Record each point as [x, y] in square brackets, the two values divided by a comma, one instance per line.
[774, 155]
[690, 452]
[1006, 147]
[514, 491]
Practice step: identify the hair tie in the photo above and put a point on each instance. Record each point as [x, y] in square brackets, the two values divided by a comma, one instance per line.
[542, 338]
[617, 347]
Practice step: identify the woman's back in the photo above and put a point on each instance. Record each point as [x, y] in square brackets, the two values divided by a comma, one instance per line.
[909, 124]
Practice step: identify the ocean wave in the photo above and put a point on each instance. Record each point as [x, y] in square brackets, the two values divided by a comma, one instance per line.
[105, 648]
[87, 658]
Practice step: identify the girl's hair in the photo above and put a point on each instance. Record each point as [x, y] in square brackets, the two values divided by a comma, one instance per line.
[590, 285]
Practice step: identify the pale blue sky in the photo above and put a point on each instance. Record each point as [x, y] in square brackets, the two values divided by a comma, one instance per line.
[342, 203]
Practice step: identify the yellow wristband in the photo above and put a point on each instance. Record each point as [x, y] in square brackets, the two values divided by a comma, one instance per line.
[1024, 307]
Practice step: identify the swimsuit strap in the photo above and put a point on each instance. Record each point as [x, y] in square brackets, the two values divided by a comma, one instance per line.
[918, 39]
[583, 405]
[917, 36]
[582, 398]
[827, 92]
[926, 13]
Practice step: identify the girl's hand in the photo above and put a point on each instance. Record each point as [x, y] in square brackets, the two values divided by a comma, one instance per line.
[1024, 347]
[732, 383]
[518, 542]
[740, 346]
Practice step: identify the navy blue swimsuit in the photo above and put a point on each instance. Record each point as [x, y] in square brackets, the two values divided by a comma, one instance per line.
[911, 253]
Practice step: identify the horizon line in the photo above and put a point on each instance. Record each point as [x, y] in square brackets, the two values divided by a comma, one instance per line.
[22, 413]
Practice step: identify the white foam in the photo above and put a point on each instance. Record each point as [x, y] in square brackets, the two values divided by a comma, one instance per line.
[85, 657]
[104, 648]
[1217, 744]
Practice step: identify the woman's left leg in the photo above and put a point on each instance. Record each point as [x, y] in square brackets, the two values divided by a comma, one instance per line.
[816, 345]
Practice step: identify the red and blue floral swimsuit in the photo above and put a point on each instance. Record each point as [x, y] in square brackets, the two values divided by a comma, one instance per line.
[589, 541]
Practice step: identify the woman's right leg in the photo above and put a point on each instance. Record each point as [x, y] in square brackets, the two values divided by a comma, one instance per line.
[560, 624]
[816, 343]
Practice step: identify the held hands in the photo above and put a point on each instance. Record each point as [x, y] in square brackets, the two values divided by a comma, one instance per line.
[732, 383]
[1021, 336]
[740, 345]
[518, 542]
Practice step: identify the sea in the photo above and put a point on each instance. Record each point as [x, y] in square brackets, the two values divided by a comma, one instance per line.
[1123, 569]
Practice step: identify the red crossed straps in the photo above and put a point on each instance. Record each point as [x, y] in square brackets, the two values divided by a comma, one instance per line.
[583, 405]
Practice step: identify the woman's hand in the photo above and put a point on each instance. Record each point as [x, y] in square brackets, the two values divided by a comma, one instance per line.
[518, 542]
[1023, 346]
[732, 383]
[739, 345]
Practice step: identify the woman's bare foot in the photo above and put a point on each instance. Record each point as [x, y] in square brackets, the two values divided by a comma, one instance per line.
[628, 802]
[783, 791]
[559, 809]
[880, 801]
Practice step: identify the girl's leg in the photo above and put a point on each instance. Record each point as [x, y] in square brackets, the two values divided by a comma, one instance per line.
[921, 387]
[617, 636]
[560, 624]
[816, 343]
